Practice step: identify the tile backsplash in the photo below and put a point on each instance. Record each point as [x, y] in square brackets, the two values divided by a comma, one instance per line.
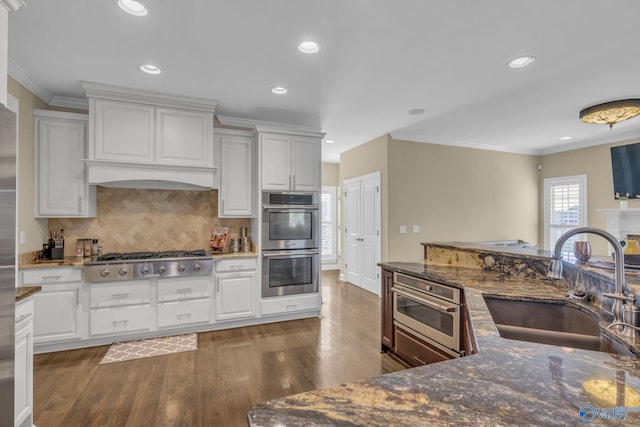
[149, 220]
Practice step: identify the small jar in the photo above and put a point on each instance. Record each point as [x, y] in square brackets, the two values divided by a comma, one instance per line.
[87, 248]
[94, 247]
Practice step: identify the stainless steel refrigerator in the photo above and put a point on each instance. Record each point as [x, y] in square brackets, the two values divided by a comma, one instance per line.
[7, 263]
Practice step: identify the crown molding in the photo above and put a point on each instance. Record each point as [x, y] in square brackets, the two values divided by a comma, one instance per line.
[12, 5]
[24, 78]
[264, 126]
[118, 93]
[418, 138]
[63, 101]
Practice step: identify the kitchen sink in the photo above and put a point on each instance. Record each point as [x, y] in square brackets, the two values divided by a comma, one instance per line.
[550, 323]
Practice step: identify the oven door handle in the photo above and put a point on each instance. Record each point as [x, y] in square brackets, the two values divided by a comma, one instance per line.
[290, 207]
[434, 305]
[289, 253]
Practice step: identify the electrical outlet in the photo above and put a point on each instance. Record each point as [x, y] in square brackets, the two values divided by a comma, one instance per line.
[403, 229]
[416, 229]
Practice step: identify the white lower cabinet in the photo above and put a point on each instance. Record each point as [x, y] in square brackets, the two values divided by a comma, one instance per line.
[179, 313]
[120, 307]
[290, 304]
[184, 301]
[23, 391]
[57, 307]
[235, 295]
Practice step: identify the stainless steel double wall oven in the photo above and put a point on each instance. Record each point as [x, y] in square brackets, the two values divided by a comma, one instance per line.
[290, 243]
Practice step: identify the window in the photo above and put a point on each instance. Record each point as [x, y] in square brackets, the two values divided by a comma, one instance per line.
[329, 225]
[565, 208]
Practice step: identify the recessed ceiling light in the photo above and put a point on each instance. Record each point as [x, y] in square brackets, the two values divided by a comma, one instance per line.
[279, 90]
[308, 47]
[416, 111]
[521, 61]
[565, 138]
[150, 69]
[133, 7]
[330, 141]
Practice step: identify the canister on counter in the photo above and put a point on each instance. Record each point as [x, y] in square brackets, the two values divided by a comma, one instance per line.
[235, 245]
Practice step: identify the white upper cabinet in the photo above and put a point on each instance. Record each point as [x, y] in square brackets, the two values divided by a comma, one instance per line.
[61, 188]
[150, 138]
[236, 195]
[184, 137]
[290, 161]
[124, 131]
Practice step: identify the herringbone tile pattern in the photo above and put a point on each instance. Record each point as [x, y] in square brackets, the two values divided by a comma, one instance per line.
[149, 220]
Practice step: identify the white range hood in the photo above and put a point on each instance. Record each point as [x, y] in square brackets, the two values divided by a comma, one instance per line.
[143, 139]
[131, 175]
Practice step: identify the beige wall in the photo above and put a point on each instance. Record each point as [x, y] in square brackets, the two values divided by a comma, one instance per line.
[362, 160]
[35, 229]
[595, 162]
[455, 193]
[331, 174]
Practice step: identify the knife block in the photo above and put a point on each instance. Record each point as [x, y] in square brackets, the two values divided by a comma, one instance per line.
[56, 248]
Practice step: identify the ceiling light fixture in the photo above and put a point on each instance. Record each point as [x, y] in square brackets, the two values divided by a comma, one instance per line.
[133, 7]
[150, 69]
[565, 138]
[279, 90]
[612, 112]
[416, 111]
[308, 47]
[521, 61]
[330, 141]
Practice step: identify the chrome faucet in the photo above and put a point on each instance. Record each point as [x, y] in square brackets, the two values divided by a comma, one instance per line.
[555, 269]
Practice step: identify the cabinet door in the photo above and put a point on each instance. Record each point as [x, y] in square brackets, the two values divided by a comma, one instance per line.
[56, 313]
[184, 137]
[235, 296]
[61, 185]
[236, 175]
[123, 131]
[276, 162]
[23, 391]
[306, 163]
[387, 310]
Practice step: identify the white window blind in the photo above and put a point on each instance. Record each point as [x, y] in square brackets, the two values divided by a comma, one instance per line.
[329, 224]
[565, 208]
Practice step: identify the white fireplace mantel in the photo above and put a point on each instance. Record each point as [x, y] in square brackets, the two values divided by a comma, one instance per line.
[622, 222]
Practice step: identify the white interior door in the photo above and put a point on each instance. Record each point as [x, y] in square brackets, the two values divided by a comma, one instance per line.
[352, 230]
[362, 230]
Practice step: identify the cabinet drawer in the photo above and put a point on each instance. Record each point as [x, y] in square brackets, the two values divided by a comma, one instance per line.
[42, 276]
[24, 312]
[236, 264]
[290, 304]
[126, 293]
[183, 312]
[416, 352]
[181, 289]
[120, 319]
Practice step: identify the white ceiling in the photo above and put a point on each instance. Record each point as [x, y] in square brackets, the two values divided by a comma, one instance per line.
[377, 60]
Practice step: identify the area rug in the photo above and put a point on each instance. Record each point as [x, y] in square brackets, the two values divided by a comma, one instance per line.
[120, 352]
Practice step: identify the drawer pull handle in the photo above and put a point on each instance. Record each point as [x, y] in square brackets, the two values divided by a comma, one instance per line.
[419, 360]
[292, 307]
[235, 267]
[119, 295]
[187, 315]
[184, 290]
[51, 277]
[24, 316]
[116, 322]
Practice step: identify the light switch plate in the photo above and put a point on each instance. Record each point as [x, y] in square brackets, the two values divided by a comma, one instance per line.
[416, 228]
[23, 238]
[403, 229]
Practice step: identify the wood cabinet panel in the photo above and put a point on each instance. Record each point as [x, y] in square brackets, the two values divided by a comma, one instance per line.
[387, 310]
[415, 352]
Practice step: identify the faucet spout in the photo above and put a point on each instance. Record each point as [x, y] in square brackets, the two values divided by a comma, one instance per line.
[555, 266]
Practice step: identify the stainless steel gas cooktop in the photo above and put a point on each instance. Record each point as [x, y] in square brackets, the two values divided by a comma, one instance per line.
[147, 265]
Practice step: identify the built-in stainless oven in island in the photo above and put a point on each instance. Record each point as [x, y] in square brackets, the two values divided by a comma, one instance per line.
[290, 243]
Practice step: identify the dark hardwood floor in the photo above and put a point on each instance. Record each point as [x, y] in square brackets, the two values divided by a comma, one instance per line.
[231, 371]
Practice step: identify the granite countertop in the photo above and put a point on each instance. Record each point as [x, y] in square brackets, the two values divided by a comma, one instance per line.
[74, 262]
[507, 382]
[23, 292]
